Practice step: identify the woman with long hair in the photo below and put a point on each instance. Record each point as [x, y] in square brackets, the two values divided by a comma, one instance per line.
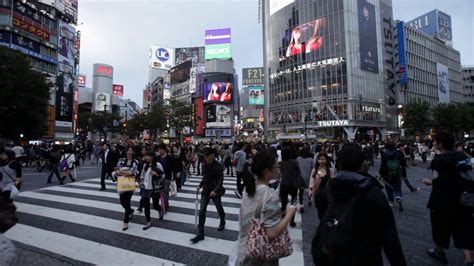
[71, 160]
[227, 94]
[320, 176]
[259, 196]
[296, 46]
[152, 170]
[127, 166]
[214, 93]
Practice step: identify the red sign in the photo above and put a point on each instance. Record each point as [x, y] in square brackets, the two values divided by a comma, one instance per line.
[117, 90]
[20, 23]
[200, 125]
[104, 70]
[81, 80]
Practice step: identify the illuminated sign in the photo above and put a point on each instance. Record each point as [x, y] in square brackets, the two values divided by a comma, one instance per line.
[117, 90]
[29, 27]
[308, 66]
[252, 76]
[81, 80]
[217, 36]
[161, 57]
[162, 54]
[104, 70]
[217, 51]
[333, 123]
[371, 109]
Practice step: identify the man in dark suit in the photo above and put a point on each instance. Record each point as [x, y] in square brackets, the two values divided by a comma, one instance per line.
[109, 162]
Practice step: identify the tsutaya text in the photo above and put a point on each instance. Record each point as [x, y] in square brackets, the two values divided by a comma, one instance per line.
[309, 66]
[333, 123]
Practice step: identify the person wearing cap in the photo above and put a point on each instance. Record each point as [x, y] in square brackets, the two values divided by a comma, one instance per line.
[373, 226]
[212, 189]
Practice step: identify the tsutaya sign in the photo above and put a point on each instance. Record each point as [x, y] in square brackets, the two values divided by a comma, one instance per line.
[333, 123]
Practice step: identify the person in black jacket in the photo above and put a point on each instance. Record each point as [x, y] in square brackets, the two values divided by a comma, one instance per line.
[212, 188]
[392, 166]
[372, 228]
[109, 162]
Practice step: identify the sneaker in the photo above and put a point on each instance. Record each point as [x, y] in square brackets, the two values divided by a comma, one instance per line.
[400, 206]
[415, 190]
[441, 257]
[237, 193]
[197, 238]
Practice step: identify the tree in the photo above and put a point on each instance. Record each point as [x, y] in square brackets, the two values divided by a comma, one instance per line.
[416, 117]
[154, 121]
[180, 116]
[446, 119]
[24, 96]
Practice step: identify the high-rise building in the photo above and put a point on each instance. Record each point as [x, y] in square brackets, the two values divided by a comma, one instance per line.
[436, 24]
[329, 69]
[429, 70]
[42, 30]
[468, 83]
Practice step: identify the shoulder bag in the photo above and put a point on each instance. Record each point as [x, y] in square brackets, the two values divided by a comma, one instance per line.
[14, 190]
[259, 246]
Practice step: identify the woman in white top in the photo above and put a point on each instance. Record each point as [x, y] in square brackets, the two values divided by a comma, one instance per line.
[71, 159]
[151, 182]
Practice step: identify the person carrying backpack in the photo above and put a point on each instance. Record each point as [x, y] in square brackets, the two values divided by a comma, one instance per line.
[66, 165]
[358, 222]
[391, 168]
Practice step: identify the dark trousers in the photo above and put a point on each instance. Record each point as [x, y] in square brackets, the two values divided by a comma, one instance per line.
[203, 209]
[200, 162]
[407, 182]
[156, 206]
[230, 169]
[54, 170]
[286, 190]
[125, 201]
[240, 180]
[301, 195]
[106, 172]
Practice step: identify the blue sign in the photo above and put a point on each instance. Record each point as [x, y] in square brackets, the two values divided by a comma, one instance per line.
[162, 54]
[402, 71]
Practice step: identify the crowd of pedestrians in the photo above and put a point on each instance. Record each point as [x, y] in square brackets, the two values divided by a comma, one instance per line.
[275, 181]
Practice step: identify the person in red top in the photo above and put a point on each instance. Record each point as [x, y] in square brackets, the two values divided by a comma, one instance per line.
[214, 93]
[227, 95]
[296, 46]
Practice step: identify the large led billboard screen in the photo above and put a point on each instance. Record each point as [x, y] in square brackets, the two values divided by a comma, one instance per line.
[196, 54]
[218, 51]
[367, 36]
[181, 72]
[256, 96]
[218, 87]
[218, 116]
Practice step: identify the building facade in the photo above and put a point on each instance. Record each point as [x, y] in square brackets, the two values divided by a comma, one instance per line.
[429, 69]
[329, 69]
[468, 83]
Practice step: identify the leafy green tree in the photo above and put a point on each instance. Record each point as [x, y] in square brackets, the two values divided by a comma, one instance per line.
[465, 117]
[180, 116]
[24, 96]
[416, 117]
[446, 119]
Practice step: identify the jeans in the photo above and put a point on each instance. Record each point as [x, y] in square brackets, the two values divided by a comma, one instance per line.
[240, 180]
[394, 189]
[125, 201]
[230, 169]
[203, 209]
[54, 170]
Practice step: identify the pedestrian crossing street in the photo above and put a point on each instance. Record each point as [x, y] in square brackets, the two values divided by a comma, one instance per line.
[80, 222]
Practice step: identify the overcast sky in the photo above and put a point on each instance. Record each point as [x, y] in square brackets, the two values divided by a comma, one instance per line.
[120, 32]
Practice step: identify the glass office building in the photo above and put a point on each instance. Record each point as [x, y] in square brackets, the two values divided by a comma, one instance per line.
[329, 69]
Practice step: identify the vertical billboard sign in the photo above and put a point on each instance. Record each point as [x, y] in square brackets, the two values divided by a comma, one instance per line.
[402, 62]
[200, 125]
[64, 102]
[252, 76]
[66, 48]
[256, 96]
[443, 83]
[444, 27]
[81, 80]
[192, 80]
[102, 102]
[367, 37]
[117, 90]
[161, 57]
[217, 43]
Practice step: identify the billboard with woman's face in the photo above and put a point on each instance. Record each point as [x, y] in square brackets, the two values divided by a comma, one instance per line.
[218, 88]
[305, 38]
[256, 96]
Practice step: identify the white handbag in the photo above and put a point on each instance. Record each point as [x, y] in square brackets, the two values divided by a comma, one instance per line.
[173, 188]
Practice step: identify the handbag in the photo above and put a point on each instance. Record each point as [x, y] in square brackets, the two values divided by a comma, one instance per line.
[125, 183]
[13, 190]
[467, 199]
[259, 246]
[173, 189]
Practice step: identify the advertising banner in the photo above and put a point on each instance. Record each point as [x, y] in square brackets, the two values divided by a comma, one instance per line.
[181, 72]
[102, 102]
[196, 54]
[443, 83]
[192, 80]
[276, 5]
[305, 38]
[117, 90]
[64, 100]
[217, 36]
[22, 24]
[161, 57]
[199, 117]
[218, 51]
[367, 37]
[24, 45]
[218, 91]
[444, 27]
[402, 62]
[81, 80]
[66, 48]
[256, 96]
[252, 76]
[218, 116]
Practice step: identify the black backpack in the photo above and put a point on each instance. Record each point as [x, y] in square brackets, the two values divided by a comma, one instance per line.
[333, 243]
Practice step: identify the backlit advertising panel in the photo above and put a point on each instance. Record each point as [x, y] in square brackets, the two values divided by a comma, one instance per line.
[443, 83]
[102, 102]
[305, 38]
[217, 36]
[218, 116]
[199, 117]
[218, 51]
[181, 72]
[31, 27]
[252, 76]
[66, 48]
[402, 62]
[64, 101]
[196, 54]
[256, 96]
[103, 70]
[117, 90]
[161, 57]
[367, 37]
[218, 88]
[81, 80]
